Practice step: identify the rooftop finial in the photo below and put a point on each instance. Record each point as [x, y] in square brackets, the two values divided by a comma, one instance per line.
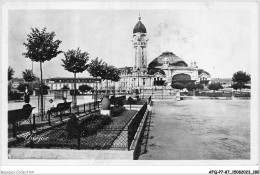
[139, 17]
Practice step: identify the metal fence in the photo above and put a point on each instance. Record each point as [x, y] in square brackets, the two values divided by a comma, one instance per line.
[217, 94]
[162, 94]
[91, 138]
[35, 121]
[134, 124]
[84, 139]
[242, 94]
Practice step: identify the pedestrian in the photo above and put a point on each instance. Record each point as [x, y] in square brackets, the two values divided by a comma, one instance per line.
[53, 105]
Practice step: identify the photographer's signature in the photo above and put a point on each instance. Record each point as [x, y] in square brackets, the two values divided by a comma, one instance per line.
[35, 139]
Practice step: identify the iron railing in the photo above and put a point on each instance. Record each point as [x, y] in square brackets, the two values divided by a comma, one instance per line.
[134, 124]
[105, 138]
[116, 137]
[36, 122]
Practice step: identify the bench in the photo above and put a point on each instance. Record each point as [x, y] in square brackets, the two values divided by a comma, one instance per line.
[17, 115]
[61, 107]
[116, 100]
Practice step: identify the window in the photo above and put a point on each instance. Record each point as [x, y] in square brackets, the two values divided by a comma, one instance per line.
[144, 81]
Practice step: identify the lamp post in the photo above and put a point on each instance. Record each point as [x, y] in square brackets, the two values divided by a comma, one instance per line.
[143, 82]
[138, 71]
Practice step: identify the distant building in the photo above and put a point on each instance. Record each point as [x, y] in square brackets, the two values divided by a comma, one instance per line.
[225, 82]
[15, 82]
[161, 71]
[58, 82]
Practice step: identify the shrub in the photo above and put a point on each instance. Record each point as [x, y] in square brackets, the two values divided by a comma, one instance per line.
[85, 88]
[112, 100]
[191, 86]
[21, 87]
[15, 96]
[72, 127]
[215, 86]
[130, 100]
[116, 111]
[120, 103]
[91, 124]
[177, 86]
[72, 92]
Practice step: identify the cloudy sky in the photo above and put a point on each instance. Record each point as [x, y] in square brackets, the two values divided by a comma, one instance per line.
[218, 39]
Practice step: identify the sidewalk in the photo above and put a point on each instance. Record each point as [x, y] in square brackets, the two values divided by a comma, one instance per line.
[199, 130]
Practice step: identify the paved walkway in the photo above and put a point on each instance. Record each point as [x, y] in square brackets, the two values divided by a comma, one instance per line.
[198, 130]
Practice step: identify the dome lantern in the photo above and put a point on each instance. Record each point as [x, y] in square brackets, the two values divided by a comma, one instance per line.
[139, 27]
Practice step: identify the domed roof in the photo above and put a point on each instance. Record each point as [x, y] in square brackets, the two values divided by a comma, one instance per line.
[139, 27]
[169, 56]
[153, 71]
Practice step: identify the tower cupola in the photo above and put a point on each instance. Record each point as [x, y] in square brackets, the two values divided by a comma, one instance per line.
[139, 41]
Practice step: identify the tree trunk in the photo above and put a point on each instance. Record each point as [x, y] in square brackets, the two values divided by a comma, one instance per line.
[107, 86]
[74, 100]
[96, 90]
[41, 92]
[114, 88]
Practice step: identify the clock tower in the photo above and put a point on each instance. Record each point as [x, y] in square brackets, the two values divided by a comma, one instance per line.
[139, 41]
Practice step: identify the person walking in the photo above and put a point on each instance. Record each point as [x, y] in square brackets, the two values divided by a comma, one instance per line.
[53, 105]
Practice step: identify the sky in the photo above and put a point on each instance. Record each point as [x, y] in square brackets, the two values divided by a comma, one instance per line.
[219, 40]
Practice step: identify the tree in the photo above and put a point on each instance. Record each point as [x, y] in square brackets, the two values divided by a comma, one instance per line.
[115, 77]
[240, 78]
[191, 86]
[46, 86]
[41, 47]
[9, 87]
[85, 88]
[237, 86]
[108, 72]
[28, 76]
[65, 87]
[96, 69]
[10, 73]
[21, 87]
[215, 86]
[36, 83]
[45, 89]
[75, 61]
[177, 85]
[199, 86]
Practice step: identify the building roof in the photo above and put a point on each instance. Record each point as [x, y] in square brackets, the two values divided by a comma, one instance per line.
[152, 71]
[139, 27]
[173, 60]
[200, 71]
